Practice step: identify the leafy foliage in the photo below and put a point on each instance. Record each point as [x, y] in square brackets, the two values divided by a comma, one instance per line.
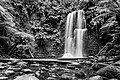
[103, 20]
[43, 22]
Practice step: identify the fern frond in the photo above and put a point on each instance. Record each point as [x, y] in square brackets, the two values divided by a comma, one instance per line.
[115, 10]
[113, 18]
[109, 3]
[108, 26]
[104, 15]
[102, 10]
[104, 2]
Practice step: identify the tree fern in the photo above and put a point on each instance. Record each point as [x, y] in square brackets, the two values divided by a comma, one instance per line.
[105, 20]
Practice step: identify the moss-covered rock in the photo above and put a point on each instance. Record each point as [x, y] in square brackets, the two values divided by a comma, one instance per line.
[109, 72]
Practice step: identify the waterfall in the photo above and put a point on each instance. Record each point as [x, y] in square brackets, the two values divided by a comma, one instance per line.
[75, 35]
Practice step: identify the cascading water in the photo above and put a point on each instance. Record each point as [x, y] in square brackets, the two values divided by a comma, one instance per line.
[75, 35]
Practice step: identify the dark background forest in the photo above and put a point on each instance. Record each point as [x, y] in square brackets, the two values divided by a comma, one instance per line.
[36, 28]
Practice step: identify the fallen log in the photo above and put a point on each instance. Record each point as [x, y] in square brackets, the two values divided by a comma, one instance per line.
[36, 60]
[84, 58]
[64, 60]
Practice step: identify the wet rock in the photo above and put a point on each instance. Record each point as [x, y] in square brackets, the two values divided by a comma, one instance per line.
[3, 67]
[99, 66]
[2, 64]
[39, 76]
[80, 74]
[71, 67]
[22, 64]
[26, 71]
[51, 78]
[113, 79]
[3, 78]
[37, 73]
[74, 63]
[75, 78]
[109, 72]
[88, 62]
[67, 70]
[26, 77]
[117, 63]
[14, 62]
[44, 69]
[101, 58]
[66, 76]
[1, 74]
[53, 75]
[55, 65]
[96, 78]
[9, 72]
[34, 65]
[9, 63]
[14, 69]
[52, 70]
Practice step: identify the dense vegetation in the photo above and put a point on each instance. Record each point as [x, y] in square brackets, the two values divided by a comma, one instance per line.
[36, 28]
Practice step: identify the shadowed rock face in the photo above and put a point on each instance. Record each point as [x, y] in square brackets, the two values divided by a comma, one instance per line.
[75, 36]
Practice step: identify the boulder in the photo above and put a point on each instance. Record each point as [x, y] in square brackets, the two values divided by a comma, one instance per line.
[79, 74]
[71, 67]
[96, 78]
[37, 73]
[109, 72]
[51, 78]
[27, 71]
[99, 66]
[14, 62]
[113, 79]
[26, 77]
[66, 76]
[22, 64]
[3, 67]
[3, 78]
[117, 63]
[35, 65]
[14, 69]
[9, 72]
[2, 64]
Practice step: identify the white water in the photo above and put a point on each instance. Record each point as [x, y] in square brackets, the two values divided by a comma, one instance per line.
[75, 35]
